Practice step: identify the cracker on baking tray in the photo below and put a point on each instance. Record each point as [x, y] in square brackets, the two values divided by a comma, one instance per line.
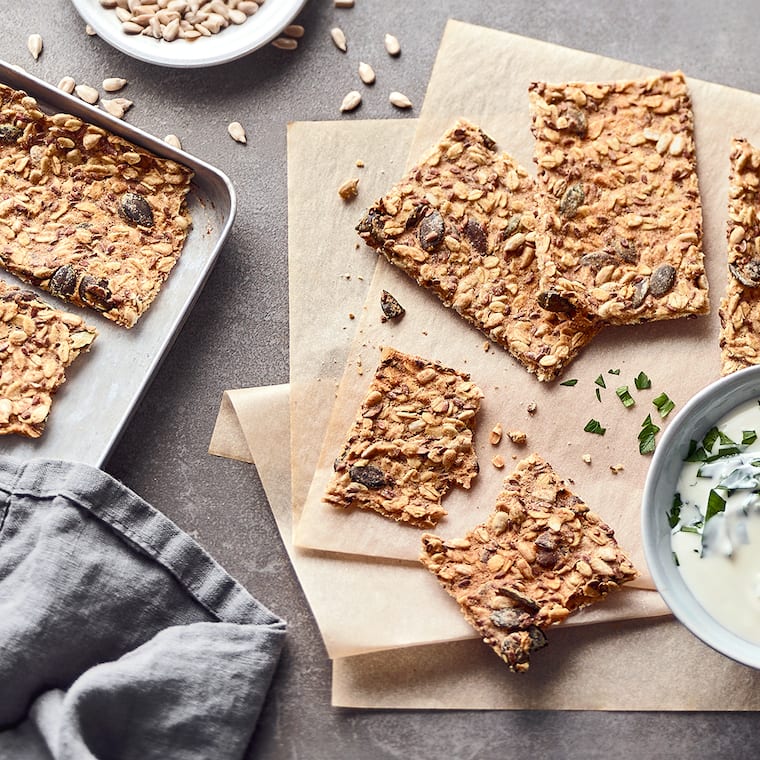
[37, 344]
[540, 555]
[620, 213]
[85, 214]
[411, 442]
[740, 306]
[461, 224]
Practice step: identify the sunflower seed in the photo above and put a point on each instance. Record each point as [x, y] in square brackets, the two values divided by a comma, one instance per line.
[249, 8]
[352, 100]
[285, 43]
[339, 38]
[113, 84]
[366, 73]
[34, 45]
[67, 84]
[399, 100]
[89, 31]
[117, 107]
[237, 132]
[174, 141]
[392, 45]
[294, 30]
[344, 3]
[88, 94]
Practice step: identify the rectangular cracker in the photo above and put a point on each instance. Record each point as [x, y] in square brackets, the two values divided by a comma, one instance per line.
[620, 230]
[37, 344]
[461, 224]
[740, 306]
[85, 214]
[411, 441]
[540, 555]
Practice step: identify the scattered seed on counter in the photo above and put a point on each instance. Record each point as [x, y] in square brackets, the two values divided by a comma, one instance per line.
[366, 73]
[344, 3]
[237, 132]
[114, 84]
[498, 462]
[117, 106]
[399, 100]
[67, 84]
[174, 141]
[392, 45]
[294, 30]
[88, 94]
[285, 43]
[339, 38]
[349, 189]
[89, 31]
[34, 45]
[351, 101]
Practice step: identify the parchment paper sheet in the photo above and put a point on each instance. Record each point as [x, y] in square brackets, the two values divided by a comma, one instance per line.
[680, 356]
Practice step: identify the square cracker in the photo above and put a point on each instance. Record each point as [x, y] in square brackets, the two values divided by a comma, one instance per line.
[461, 224]
[85, 214]
[37, 344]
[540, 555]
[740, 306]
[411, 442]
[620, 215]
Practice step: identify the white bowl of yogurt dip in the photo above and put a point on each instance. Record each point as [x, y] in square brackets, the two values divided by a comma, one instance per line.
[701, 516]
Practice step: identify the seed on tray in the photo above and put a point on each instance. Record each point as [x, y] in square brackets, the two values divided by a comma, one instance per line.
[174, 141]
[237, 132]
[88, 94]
[352, 100]
[399, 100]
[366, 73]
[114, 84]
[34, 44]
[67, 84]
[339, 38]
[392, 45]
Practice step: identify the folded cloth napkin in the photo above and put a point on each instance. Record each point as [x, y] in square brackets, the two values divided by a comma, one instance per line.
[119, 636]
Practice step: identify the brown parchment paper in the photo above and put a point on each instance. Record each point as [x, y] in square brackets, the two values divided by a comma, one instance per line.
[680, 356]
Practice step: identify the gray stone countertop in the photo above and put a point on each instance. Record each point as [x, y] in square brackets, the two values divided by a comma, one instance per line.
[237, 333]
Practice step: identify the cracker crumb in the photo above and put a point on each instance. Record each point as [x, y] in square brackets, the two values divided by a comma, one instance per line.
[616, 468]
[532, 407]
[496, 433]
[498, 462]
[587, 458]
[517, 436]
[486, 346]
[349, 189]
[359, 163]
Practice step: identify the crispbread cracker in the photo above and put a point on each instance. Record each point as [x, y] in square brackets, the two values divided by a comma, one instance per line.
[461, 224]
[541, 554]
[740, 306]
[85, 214]
[620, 212]
[411, 442]
[37, 343]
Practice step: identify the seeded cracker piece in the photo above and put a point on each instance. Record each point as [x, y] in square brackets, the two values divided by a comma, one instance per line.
[740, 306]
[461, 224]
[539, 556]
[620, 212]
[84, 214]
[410, 443]
[37, 343]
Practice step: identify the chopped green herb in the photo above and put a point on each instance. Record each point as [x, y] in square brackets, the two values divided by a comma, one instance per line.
[690, 529]
[642, 382]
[675, 559]
[647, 436]
[748, 437]
[625, 397]
[613, 371]
[598, 395]
[600, 382]
[664, 405]
[674, 514]
[696, 453]
[715, 504]
[593, 426]
[711, 436]
[572, 382]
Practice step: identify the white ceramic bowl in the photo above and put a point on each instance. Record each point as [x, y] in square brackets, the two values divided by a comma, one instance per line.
[700, 414]
[228, 45]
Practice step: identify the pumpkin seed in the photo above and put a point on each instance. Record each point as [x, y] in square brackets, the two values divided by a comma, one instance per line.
[662, 280]
[571, 200]
[369, 476]
[134, 208]
[392, 309]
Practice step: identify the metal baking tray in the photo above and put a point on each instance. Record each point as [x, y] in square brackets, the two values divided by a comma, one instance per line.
[104, 386]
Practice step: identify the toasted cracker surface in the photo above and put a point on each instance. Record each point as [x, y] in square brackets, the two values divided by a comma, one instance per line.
[619, 207]
[540, 555]
[411, 442]
[740, 306]
[37, 344]
[461, 224]
[85, 214]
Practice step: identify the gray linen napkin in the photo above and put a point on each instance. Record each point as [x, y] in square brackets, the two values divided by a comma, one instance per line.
[119, 636]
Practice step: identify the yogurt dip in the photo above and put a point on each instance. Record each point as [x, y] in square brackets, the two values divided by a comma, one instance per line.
[715, 521]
